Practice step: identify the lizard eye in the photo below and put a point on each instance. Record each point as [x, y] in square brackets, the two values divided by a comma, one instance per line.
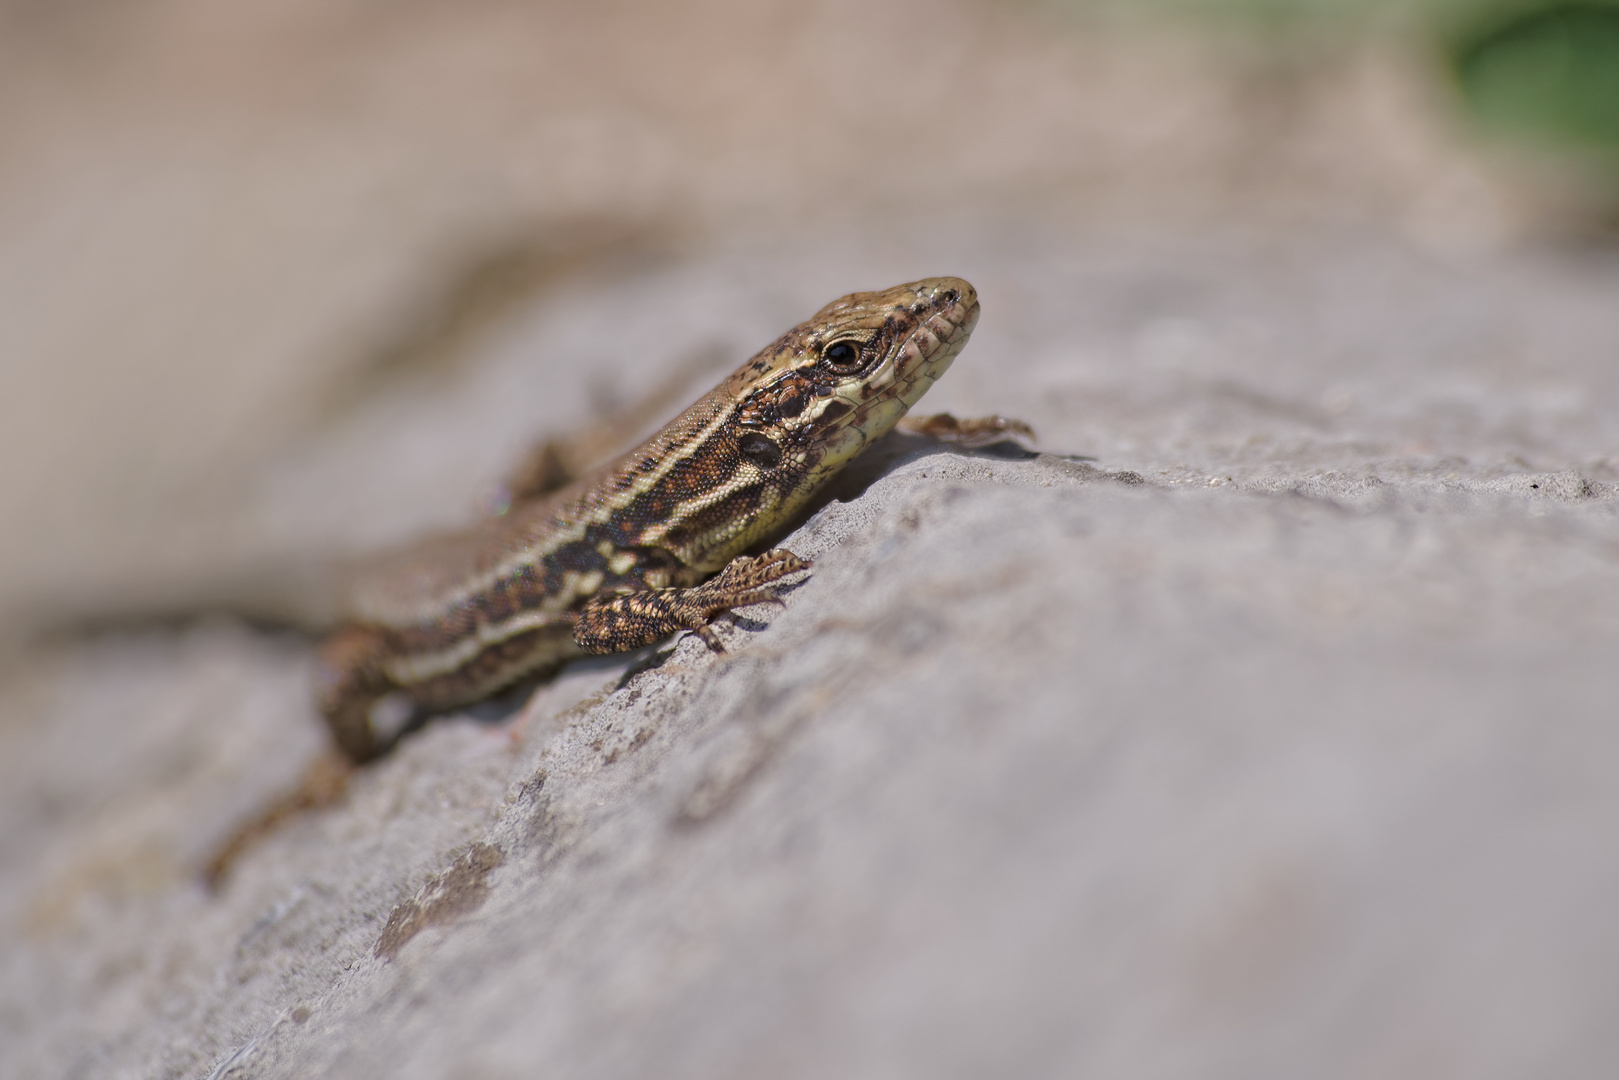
[843, 357]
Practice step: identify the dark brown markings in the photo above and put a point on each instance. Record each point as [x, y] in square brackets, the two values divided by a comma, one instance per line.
[783, 398]
[741, 505]
[793, 398]
[790, 394]
[507, 596]
[582, 556]
[700, 472]
[528, 588]
[623, 540]
[649, 508]
[761, 450]
[833, 412]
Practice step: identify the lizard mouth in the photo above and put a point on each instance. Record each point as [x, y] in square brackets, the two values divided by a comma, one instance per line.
[946, 311]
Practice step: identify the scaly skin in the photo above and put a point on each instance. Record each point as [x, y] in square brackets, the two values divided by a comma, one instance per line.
[652, 543]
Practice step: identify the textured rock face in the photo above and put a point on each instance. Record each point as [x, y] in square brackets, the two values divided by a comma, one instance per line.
[1275, 739]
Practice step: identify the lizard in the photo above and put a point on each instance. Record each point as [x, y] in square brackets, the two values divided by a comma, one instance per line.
[651, 544]
[655, 542]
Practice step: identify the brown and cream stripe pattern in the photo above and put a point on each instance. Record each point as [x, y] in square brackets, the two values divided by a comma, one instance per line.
[619, 558]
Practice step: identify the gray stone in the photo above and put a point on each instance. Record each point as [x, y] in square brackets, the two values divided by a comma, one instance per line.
[1260, 725]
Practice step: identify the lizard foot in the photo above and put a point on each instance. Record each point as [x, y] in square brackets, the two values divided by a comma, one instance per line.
[621, 623]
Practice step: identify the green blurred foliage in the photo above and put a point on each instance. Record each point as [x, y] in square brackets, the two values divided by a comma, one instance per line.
[1549, 71]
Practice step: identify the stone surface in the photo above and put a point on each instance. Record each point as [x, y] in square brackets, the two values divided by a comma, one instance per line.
[1263, 724]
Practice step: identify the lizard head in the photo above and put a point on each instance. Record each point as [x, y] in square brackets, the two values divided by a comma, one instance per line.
[816, 397]
[736, 466]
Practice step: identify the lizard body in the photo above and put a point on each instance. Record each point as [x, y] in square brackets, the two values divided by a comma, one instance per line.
[652, 543]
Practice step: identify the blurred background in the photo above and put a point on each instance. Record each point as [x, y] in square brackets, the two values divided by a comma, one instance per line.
[1271, 737]
[224, 230]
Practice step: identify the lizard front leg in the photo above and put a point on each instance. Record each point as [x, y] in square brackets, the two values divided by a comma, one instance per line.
[613, 624]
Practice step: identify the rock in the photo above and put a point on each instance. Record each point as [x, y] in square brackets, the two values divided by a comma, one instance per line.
[1260, 724]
